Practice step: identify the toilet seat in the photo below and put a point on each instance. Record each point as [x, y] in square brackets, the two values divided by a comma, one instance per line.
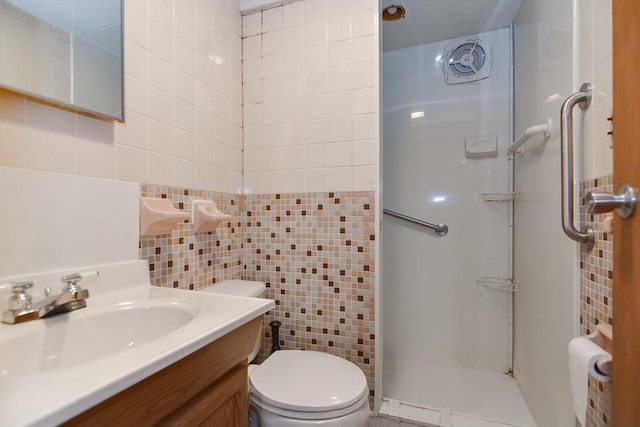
[308, 385]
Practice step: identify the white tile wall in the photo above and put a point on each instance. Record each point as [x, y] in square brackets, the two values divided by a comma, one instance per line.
[53, 199]
[595, 66]
[183, 105]
[36, 55]
[310, 74]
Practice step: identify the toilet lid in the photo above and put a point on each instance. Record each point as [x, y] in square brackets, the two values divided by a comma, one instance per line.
[308, 381]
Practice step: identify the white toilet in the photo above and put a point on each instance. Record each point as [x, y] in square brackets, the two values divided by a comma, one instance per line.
[295, 388]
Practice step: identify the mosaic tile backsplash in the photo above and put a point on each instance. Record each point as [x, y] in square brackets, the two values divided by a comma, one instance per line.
[188, 260]
[596, 295]
[314, 251]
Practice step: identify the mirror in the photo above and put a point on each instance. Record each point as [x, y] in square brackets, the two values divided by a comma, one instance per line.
[67, 52]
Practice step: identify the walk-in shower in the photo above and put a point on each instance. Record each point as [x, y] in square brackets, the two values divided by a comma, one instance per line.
[449, 294]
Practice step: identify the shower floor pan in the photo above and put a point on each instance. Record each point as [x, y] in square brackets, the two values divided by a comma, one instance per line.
[432, 394]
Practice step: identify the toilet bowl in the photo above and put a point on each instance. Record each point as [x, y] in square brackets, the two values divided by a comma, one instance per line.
[295, 388]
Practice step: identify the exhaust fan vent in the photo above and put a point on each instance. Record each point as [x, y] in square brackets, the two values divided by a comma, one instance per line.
[467, 60]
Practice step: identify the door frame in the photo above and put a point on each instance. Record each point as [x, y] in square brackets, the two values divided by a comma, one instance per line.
[626, 244]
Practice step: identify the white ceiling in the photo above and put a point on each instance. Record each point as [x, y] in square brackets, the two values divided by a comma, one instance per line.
[427, 21]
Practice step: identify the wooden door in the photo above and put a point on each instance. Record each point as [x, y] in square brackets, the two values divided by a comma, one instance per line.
[626, 260]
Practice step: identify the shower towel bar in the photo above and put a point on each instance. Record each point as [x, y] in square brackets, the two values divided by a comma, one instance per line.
[529, 133]
[440, 229]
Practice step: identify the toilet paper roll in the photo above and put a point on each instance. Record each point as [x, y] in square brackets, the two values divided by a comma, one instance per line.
[583, 353]
[595, 372]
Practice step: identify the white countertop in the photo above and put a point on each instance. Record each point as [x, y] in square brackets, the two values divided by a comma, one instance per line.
[46, 394]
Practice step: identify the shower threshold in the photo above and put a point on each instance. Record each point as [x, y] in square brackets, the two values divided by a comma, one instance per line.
[397, 412]
[431, 394]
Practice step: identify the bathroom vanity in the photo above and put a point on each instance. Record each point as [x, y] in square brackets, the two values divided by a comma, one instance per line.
[136, 355]
[208, 386]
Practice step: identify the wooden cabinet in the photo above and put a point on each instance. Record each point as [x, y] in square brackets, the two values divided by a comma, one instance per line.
[206, 388]
[224, 404]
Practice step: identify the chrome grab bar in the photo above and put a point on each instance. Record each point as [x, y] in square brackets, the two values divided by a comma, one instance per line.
[583, 99]
[440, 229]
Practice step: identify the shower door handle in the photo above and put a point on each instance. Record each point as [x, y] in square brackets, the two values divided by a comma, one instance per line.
[582, 99]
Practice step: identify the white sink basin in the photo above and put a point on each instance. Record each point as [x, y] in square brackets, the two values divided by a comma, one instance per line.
[59, 342]
[53, 369]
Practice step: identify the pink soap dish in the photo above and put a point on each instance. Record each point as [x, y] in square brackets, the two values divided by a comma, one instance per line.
[158, 216]
[206, 216]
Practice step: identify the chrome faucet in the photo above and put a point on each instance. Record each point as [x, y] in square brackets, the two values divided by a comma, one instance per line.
[71, 297]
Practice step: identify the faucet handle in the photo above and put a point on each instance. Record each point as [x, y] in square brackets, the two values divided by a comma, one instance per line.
[21, 286]
[20, 300]
[72, 280]
[76, 277]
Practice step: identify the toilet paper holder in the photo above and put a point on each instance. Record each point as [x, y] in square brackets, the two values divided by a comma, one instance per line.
[603, 337]
[589, 359]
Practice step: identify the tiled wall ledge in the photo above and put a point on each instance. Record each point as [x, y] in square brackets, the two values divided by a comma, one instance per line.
[596, 292]
[316, 252]
[184, 259]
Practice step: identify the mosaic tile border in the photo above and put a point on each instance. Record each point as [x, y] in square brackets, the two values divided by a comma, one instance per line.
[596, 295]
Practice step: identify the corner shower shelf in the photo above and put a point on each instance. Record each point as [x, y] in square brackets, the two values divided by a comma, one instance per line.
[497, 284]
[499, 197]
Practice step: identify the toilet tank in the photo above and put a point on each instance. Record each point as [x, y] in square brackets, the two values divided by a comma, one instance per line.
[241, 288]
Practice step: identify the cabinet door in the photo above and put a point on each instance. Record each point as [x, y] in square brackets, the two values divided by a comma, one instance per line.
[224, 404]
